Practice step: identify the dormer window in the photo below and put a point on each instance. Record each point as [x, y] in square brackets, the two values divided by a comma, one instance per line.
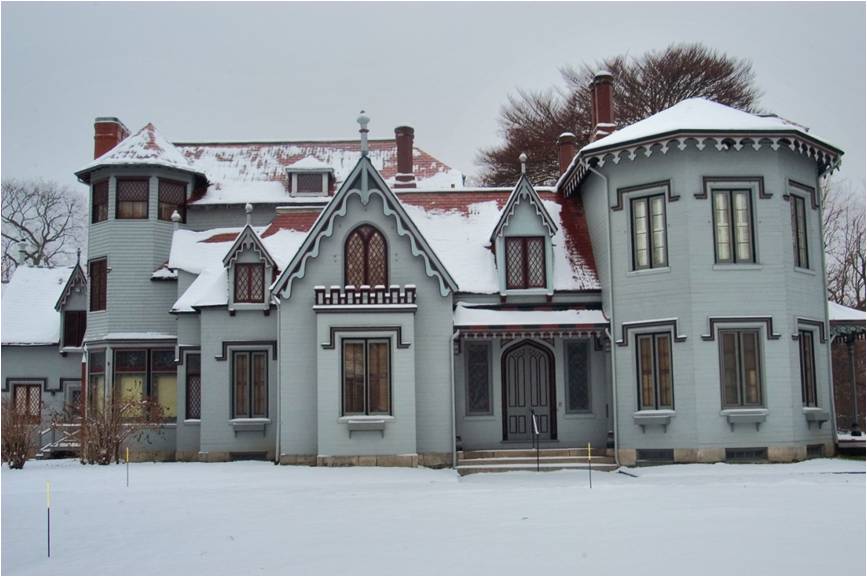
[132, 198]
[525, 262]
[249, 282]
[309, 177]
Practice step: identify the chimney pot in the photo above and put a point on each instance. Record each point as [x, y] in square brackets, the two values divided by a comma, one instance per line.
[108, 132]
[602, 104]
[404, 137]
[567, 145]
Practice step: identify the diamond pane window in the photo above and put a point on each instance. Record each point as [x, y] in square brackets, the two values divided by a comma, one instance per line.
[366, 257]
[249, 282]
[172, 197]
[28, 401]
[99, 206]
[194, 387]
[525, 262]
[132, 198]
[578, 376]
[309, 182]
[478, 379]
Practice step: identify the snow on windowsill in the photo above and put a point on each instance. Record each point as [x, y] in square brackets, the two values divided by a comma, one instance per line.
[737, 266]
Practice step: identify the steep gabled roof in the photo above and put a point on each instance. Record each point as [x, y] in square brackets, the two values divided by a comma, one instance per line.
[248, 239]
[523, 191]
[77, 278]
[29, 316]
[147, 147]
[364, 180]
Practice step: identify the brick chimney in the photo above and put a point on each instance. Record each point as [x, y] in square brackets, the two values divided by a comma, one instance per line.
[404, 137]
[567, 145]
[108, 132]
[602, 104]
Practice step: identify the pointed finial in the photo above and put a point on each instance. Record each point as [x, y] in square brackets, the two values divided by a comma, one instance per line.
[363, 120]
[248, 209]
[523, 159]
[78, 256]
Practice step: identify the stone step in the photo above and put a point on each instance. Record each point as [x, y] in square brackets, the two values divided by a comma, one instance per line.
[524, 452]
[507, 467]
[546, 459]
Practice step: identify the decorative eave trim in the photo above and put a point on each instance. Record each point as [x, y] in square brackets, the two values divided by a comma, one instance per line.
[523, 189]
[76, 277]
[248, 239]
[324, 228]
[828, 157]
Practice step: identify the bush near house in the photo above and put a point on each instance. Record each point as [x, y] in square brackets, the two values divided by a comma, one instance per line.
[19, 433]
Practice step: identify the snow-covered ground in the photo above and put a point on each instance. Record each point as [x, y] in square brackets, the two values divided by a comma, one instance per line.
[257, 518]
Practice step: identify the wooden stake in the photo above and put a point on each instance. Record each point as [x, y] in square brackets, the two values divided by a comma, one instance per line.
[48, 512]
[589, 467]
[127, 466]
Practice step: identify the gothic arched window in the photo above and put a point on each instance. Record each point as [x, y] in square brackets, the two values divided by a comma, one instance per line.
[365, 257]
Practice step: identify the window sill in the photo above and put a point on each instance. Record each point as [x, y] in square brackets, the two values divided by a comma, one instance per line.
[527, 292]
[578, 415]
[649, 271]
[754, 416]
[816, 415]
[486, 417]
[192, 421]
[250, 425]
[806, 271]
[737, 266]
[649, 418]
[366, 423]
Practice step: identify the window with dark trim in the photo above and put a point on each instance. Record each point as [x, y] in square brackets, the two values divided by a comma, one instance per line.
[653, 360]
[74, 326]
[28, 401]
[525, 262]
[96, 380]
[366, 257]
[194, 386]
[799, 231]
[129, 382]
[132, 198]
[99, 201]
[249, 282]
[97, 271]
[577, 376]
[366, 376]
[249, 384]
[649, 248]
[309, 183]
[478, 378]
[164, 381]
[733, 226]
[172, 197]
[808, 368]
[740, 368]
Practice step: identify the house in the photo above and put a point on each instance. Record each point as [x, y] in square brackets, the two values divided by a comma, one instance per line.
[353, 302]
[847, 358]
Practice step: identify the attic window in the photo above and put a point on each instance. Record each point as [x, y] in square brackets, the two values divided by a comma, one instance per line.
[309, 182]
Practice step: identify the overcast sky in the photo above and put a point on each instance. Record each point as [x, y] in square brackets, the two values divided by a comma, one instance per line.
[294, 71]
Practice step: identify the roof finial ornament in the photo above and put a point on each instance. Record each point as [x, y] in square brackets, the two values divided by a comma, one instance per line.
[523, 159]
[248, 209]
[78, 256]
[363, 120]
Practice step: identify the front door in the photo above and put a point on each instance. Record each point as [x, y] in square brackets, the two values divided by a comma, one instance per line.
[528, 385]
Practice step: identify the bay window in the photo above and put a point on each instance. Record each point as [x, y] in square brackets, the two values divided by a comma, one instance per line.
[648, 232]
[96, 381]
[733, 226]
[164, 381]
[172, 197]
[132, 198]
[740, 368]
[99, 202]
[799, 231]
[808, 368]
[653, 354]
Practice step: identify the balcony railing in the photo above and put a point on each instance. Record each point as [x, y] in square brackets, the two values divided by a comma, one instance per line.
[378, 295]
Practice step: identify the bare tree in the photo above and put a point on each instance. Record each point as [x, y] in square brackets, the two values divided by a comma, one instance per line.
[45, 220]
[531, 120]
[105, 428]
[843, 230]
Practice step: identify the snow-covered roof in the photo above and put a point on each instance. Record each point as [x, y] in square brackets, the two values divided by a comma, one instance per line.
[697, 114]
[456, 224]
[309, 163]
[841, 314]
[258, 172]
[470, 316]
[29, 317]
[146, 147]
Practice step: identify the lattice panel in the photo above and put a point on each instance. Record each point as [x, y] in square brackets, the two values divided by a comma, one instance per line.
[355, 260]
[478, 388]
[579, 390]
[535, 262]
[515, 262]
[376, 255]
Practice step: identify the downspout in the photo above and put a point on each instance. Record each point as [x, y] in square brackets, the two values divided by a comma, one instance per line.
[279, 430]
[452, 339]
[610, 331]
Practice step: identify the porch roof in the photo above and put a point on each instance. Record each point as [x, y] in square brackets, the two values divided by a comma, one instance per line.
[482, 318]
